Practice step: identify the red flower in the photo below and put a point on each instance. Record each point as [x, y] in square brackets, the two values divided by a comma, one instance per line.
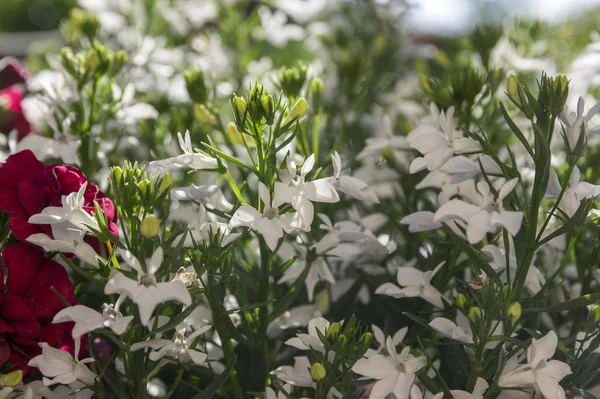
[11, 113]
[11, 72]
[27, 186]
[28, 303]
[12, 75]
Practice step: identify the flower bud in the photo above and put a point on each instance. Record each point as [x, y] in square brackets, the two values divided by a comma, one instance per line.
[333, 331]
[150, 226]
[514, 311]
[340, 343]
[593, 319]
[268, 107]
[239, 112]
[461, 301]
[203, 115]
[364, 343]
[196, 86]
[166, 182]
[317, 91]
[11, 379]
[291, 80]
[297, 111]
[117, 175]
[317, 372]
[143, 187]
[474, 314]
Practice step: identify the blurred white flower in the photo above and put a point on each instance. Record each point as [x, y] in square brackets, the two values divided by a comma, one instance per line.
[180, 348]
[480, 387]
[487, 215]
[461, 331]
[414, 283]
[59, 367]
[189, 159]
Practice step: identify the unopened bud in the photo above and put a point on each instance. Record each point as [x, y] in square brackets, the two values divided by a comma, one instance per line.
[239, 112]
[474, 314]
[150, 226]
[514, 311]
[317, 91]
[461, 301]
[117, 174]
[196, 86]
[512, 88]
[143, 187]
[203, 115]
[317, 372]
[268, 107]
[593, 319]
[333, 331]
[165, 183]
[297, 111]
[340, 343]
[11, 379]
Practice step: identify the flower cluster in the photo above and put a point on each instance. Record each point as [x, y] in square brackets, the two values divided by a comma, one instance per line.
[354, 214]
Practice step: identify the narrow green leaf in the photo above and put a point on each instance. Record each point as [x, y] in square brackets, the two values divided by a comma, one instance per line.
[210, 391]
[515, 129]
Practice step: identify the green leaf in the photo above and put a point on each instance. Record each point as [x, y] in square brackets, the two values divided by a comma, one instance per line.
[216, 384]
[568, 305]
[515, 129]
[228, 157]
[111, 379]
[175, 321]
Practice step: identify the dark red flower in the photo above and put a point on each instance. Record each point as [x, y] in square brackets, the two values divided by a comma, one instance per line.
[12, 76]
[11, 113]
[29, 302]
[12, 72]
[27, 186]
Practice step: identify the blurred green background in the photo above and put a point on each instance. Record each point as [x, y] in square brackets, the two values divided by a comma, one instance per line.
[33, 15]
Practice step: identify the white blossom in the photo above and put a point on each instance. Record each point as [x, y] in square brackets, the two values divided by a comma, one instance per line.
[59, 367]
[189, 159]
[461, 331]
[181, 348]
[414, 283]
[539, 371]
[146, 292]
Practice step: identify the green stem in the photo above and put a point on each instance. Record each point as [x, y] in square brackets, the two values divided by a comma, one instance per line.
[175, 383]
[315, 137]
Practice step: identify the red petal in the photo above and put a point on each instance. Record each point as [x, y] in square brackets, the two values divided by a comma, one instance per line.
[19, 167]
[20, 316]
[4, 351]
[41, 296]
[23, 263]
[30, 198]
[9, 199]
[69, 179]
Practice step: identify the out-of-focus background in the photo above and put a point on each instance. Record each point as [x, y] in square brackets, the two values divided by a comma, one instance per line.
[26, 21]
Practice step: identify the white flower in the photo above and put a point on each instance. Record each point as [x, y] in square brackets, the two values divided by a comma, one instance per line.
[533, 280]
[298, 375]
[87, 319]
[576, 123]
[420, 221]
[298, 316]
[374, 146]
[189, 159]
[395, 373]
[311, 340]
[71, 212]
[459, 332]
[319, 271]
[438, 146]
[382, 340]
[578, 190]
[275, 28]
[180, 348]
[480, 387]
[66, 240]
[269, 223]
[414, 283]
[129, 113]
[539, 371]
[294, 190]
[63, 145]
[486, 216]
[350, 185]
[146, 292]
[59, 367]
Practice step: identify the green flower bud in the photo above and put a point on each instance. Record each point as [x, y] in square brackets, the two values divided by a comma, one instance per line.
[317, 91]
[514, 311]
[333, 331]
[117, 176]
[143, 187]
[297, 111]
[553, 93]
[462, 302]
[291, 80]
[593, 319]
[268, 107]
[11, 379]
[239, 112]
[340, 343]
[196, 86]
[166, 182]
[474, 314]
[317, 372]
[203, 115]
[150, 226]
[364, 343]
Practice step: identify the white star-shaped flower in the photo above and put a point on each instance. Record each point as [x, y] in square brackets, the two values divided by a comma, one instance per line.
[146, 292]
